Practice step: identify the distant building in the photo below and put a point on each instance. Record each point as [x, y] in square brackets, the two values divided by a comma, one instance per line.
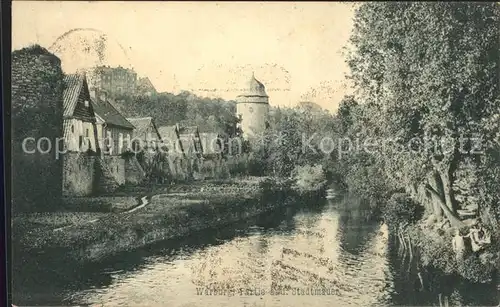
[145, 87]
[184, 149]
[211, 143]
[113, 129]
[190, 140]
[170, 139]
[80, 131]
[116, 81]
[145, 134]
[253, 108]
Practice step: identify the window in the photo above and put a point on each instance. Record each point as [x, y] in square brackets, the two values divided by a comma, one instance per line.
[72, 129]
[87, 132]
[120, 142]
[250, 110]
[86, 103]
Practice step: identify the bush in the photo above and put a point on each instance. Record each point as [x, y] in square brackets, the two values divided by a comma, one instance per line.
[309, 178]
[401, 209]
[473, 269]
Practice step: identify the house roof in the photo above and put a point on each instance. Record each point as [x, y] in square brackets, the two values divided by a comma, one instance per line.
[73, 87]
[188, 130]
[168, 133]
[142, 124]
[110, 115]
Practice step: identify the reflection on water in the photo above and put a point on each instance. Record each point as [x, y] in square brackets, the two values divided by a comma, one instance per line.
[329, 255]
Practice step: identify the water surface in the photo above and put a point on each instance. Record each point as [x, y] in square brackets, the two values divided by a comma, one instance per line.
[329, 254]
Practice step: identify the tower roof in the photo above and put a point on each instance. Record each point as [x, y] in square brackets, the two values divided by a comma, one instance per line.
[254, 88]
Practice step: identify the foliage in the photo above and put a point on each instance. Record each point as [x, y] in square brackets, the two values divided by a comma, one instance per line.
[401, 209]
[187, 109]
[34, 49]
[427, 79]
[309, 178]
[285, 143]
[474, 270]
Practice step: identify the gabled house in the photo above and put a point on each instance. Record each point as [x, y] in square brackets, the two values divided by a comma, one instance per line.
[190, 140]
[145, 135]
[113, 129]
[212, 144]
[79, 121]
[170, 139]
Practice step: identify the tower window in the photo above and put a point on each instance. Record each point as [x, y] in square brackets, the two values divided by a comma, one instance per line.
[86, 103]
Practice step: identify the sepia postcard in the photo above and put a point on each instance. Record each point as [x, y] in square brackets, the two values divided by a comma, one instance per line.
[255, 153]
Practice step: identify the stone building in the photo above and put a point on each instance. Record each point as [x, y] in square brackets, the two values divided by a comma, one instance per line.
[116, 81]
[253, 109]
[37, 119]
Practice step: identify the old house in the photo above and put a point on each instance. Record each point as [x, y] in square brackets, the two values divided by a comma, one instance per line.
[211, 143]
[115, 135]
[212, 148]
[145, 135]
[176, 157]
[145, 143]
[80, 135]
[184, 148]
[113, 129]
[80, 131]
[190, 140]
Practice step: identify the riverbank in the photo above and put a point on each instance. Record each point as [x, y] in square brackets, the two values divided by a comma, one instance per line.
[170, 213]
[436, 251]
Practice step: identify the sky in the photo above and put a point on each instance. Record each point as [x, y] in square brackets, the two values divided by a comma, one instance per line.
[210, 48]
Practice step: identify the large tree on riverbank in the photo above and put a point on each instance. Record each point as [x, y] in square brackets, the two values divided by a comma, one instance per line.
[429, 71]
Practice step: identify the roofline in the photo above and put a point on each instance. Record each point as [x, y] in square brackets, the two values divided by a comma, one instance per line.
[133, 127]
[118, 126]
[139, 118]
[260, 96]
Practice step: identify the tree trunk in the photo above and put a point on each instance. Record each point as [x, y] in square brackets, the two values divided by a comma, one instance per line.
[447, 190]
[454, 221]
[435, 199]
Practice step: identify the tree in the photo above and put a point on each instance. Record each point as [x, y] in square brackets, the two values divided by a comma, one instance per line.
[430, 71]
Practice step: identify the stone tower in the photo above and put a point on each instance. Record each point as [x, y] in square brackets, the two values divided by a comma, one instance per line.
[37, 119]
[253, 107]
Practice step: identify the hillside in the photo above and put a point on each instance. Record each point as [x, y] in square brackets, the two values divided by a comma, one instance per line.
[185, 108]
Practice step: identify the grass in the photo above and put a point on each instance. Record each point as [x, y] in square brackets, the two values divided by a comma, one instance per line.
[100, 204]
[203, 205]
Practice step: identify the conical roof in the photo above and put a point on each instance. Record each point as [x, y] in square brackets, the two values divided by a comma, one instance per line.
[254, 88]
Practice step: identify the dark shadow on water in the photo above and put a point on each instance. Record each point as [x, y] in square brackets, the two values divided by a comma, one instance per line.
[408, 289]
[356, 225]
[47, 279]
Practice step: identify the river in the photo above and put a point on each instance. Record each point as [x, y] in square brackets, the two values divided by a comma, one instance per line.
[329, 254]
